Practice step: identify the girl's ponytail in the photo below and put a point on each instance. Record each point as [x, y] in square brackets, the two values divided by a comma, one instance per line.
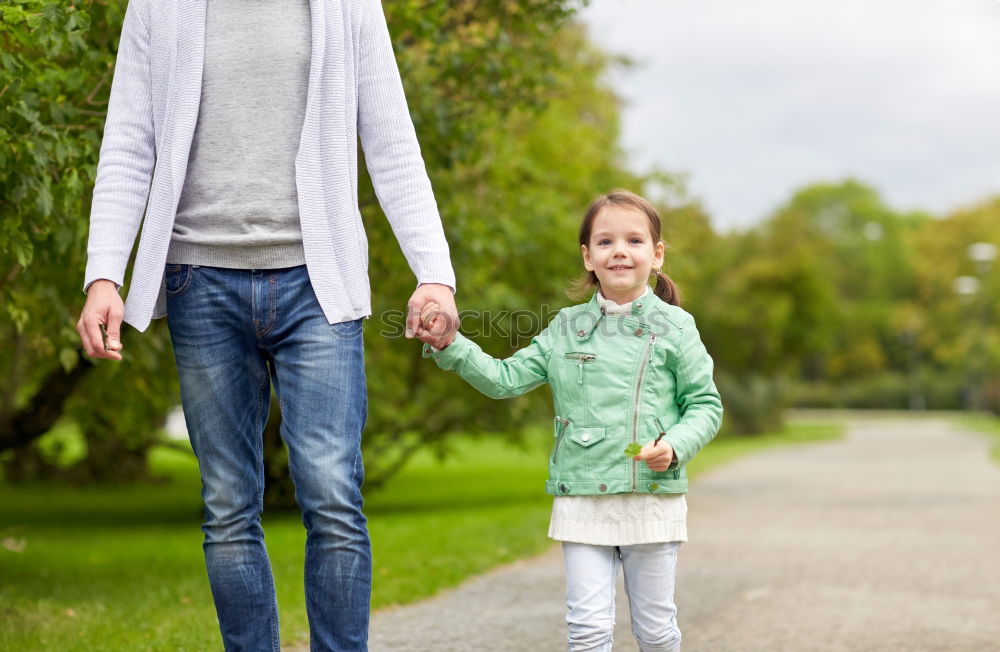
[665, 288]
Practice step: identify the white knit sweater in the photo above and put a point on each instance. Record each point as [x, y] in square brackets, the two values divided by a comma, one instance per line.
[619, 519]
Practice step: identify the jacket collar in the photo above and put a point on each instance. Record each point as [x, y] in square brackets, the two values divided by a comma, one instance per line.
[586, 321]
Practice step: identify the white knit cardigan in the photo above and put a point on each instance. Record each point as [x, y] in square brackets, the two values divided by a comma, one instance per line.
[354, 90]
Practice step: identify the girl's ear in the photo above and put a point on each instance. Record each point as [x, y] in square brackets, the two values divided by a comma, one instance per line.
[587, 265]
[658, 254]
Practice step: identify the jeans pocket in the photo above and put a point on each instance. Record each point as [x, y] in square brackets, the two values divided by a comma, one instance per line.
[177, 278]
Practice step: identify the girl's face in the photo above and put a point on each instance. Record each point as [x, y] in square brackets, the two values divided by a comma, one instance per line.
[622, 253]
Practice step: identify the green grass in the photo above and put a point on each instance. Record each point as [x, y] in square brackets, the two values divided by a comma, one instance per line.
[113, 568]
[988, 425]
[723, 449]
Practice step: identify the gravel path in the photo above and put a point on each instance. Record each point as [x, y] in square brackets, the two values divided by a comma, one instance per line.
[886, 540]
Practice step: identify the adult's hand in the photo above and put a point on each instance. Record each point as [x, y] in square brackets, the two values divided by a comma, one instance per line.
[445, 320]
[104, 306]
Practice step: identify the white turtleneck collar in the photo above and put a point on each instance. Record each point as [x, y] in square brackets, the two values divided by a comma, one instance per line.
[611, 308]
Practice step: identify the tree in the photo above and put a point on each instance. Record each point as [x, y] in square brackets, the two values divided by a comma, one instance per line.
[959, 334]
[55, 69]
[807, 295]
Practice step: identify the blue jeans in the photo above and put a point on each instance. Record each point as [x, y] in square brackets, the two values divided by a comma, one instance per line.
[234, 332]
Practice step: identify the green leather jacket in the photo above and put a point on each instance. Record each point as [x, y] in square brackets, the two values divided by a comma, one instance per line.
[614, 380]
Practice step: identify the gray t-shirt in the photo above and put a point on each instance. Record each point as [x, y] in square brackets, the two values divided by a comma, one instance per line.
[239, 205]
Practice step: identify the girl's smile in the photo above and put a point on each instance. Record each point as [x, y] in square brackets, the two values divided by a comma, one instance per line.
[622, 253]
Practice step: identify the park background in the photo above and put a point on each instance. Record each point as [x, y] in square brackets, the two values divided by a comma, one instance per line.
[811, 289]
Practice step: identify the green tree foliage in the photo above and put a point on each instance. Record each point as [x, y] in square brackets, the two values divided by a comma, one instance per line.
[839, 300]
[959, 335]
[55, 71]
[862, 265]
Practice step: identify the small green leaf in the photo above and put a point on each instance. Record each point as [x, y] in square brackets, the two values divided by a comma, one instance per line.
[68, 358]
[633, 449]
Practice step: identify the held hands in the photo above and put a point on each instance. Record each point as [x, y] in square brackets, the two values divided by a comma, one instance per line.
[431, 315]
[102, 311]
[658, 455]
[432, 323]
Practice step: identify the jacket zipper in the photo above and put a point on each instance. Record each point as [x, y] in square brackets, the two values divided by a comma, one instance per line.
[580, 358]
[562, 431]
[635, 403]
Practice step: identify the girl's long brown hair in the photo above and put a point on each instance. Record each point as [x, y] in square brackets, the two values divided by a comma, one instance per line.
[665, 288]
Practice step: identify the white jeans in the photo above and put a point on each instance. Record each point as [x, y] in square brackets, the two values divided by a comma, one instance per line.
[591, 572]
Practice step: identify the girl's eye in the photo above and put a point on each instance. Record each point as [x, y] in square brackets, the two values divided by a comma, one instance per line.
[604, 241]
[635, 240]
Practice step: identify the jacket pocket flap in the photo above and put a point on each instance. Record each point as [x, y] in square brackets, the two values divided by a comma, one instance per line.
[588, 435]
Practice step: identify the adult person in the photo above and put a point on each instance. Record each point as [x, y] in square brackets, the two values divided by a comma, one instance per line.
[232, 126]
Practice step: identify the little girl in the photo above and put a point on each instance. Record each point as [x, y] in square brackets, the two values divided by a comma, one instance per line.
[627, 370]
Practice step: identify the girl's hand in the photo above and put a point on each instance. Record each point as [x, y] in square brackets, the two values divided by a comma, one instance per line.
[445, 325]
[657, 456]
[433, 324]
[428, 314]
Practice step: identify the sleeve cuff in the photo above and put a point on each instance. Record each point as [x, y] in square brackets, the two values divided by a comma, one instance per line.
[103, 269]
[446, 357]
[450, 284]
[86, 287]
[674, 437]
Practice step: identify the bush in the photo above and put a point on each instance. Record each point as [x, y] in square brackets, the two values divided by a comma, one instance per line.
[753, 403]
[930, 390]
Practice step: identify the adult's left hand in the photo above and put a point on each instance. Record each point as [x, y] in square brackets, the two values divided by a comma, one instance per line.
[445, 323]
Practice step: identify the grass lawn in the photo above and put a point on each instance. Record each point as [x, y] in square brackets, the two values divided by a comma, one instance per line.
[988, 425]
[120, 568]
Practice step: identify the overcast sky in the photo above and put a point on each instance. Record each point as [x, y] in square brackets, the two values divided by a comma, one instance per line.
[754, 98]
